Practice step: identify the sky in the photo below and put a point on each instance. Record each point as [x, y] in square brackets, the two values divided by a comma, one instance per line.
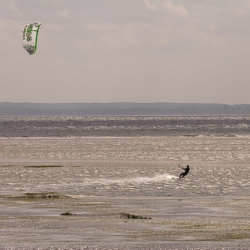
[180, 51]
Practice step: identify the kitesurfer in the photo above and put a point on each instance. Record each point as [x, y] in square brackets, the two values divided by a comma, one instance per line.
[185, 172]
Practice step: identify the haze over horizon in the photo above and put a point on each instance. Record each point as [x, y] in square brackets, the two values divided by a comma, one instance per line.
[143, 51]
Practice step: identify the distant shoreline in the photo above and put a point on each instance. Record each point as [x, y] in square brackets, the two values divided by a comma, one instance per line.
[120, 109]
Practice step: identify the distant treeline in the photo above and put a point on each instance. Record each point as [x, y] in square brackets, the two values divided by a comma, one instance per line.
[120, 109]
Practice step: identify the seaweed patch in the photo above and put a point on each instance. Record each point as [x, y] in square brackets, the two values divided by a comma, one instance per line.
[132, 216]
[43, 166]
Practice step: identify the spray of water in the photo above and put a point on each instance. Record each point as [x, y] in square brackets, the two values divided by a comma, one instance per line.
[134, 181]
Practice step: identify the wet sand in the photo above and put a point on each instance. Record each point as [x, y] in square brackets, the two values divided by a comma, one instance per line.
[34, 221]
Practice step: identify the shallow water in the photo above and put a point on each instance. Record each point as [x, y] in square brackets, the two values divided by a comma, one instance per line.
[149, 166]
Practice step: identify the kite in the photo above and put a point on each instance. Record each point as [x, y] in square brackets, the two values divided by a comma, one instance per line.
[30, 35]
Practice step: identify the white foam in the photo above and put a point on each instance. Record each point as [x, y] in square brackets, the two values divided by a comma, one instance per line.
[135, 181]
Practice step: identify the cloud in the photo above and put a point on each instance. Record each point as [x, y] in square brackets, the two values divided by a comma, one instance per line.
[150, 5]
[178, 10]
[169, 6]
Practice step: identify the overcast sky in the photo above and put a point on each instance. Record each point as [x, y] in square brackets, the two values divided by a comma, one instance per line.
[127, 51]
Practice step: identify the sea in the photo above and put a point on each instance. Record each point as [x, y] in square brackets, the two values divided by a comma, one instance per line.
[112, 182]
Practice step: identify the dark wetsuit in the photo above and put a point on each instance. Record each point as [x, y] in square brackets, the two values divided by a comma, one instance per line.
[186, 172]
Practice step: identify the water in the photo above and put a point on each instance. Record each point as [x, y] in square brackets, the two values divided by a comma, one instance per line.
[124, 126]
[99, 167]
